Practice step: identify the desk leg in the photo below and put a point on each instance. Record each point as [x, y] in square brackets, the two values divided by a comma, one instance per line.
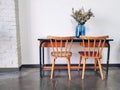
[43, 56]
[40, 61]
[108, 54]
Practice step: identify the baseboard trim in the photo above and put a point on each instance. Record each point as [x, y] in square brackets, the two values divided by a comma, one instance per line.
[30, 66]
[37, 65]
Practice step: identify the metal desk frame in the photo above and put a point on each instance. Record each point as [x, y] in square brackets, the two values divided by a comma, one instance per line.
[41, 52]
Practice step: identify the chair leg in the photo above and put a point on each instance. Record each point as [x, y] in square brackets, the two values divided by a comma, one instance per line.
[83, 70]
[69, 74]
[94, 64]
[100, 67]
[52, 69]
[79, 62]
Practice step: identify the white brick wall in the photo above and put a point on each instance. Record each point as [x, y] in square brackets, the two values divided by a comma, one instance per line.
[8, 35]
[18, 33]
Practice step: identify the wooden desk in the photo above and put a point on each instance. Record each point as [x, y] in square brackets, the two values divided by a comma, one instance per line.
[43, 44]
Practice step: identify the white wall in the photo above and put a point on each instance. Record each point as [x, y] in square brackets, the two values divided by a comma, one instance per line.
[39, 18]
[9, 35]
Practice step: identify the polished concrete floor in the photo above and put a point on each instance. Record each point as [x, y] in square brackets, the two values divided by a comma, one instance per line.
[29, 79]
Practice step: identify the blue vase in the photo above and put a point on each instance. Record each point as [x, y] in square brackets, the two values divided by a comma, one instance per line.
[80, 30]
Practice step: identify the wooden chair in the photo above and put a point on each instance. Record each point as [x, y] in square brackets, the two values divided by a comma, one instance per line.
[61, 47]
[93, 47]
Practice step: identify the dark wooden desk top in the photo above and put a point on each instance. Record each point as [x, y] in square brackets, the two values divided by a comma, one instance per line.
[74, 40]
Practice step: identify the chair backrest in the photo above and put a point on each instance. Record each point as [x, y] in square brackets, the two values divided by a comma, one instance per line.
[61, 45]
[93, 45]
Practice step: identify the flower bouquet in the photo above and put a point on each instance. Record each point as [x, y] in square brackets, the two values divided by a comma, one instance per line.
[81, 16]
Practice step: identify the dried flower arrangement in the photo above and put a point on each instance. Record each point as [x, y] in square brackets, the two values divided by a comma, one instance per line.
[81, 16]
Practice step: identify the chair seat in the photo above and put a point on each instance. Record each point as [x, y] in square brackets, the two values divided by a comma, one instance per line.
[90, 54]
[61, 54]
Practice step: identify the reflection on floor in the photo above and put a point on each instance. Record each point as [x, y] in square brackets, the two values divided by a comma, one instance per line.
[28, 79]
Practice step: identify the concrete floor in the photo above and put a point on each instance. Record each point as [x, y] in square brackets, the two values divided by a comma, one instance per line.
[29, 79]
